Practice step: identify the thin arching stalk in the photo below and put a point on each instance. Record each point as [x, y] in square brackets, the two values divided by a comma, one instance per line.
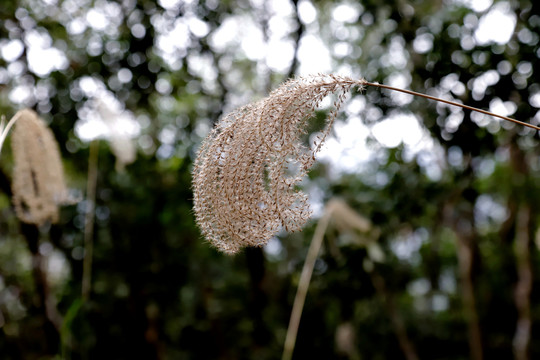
[4, 129]
[452, 103]
[303, 285]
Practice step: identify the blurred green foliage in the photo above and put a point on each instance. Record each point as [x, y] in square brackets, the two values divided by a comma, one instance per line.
[451, 216]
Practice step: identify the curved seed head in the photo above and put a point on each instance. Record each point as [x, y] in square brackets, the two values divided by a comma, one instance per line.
[247, 169]
[38, 177]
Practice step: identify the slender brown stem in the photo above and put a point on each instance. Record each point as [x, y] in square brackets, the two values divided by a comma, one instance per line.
[89, 218]
[452, 103]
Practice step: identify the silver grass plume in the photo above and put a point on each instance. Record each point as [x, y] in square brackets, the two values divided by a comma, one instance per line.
[247, 169]
[38, 176]
[120, 142]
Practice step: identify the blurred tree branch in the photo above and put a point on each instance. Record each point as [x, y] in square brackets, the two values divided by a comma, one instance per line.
[522, 294]
[297, 36]
[523, 215]
[459, 215]
[398, 324]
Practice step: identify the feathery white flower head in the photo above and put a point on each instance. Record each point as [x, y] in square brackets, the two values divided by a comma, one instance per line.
[38, 177]
[247, 169]
[103, 116]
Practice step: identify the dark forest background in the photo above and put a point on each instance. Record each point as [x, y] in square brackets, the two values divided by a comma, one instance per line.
[449, 270]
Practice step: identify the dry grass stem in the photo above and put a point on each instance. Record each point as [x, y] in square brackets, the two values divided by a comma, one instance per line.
[4, 128]
[91, 185]
[454, 104]
[343, 217]
[303, 285]
[38, 176]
